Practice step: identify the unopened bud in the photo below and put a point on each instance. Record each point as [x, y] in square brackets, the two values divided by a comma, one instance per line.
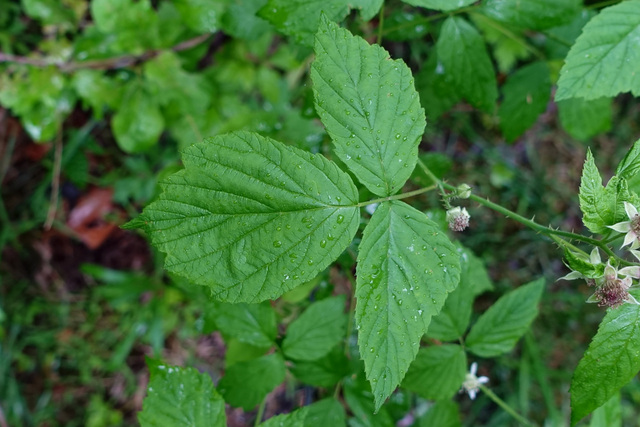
[458, 218]
[463, 191]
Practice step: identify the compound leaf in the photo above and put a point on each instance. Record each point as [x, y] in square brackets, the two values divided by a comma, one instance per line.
[583, 119]
[313, 334]
[245, 384]
[437, 372]
[605, 59]
[526, 95]
[181, 396]
[610, 362]
[532, 14]
[464, 61]
[443, 5]
[501, 326]
[250, 217]
[369, 106]
[406, 268]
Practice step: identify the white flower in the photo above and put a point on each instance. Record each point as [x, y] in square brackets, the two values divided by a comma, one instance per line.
[458, 218]
[631, 227]
[612, 291]
[472, 383]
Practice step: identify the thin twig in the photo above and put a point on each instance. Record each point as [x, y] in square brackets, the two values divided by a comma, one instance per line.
[102, 64]
[55, 181]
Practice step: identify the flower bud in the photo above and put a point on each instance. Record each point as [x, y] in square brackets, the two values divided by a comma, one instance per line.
[458, 218]
[463, 191]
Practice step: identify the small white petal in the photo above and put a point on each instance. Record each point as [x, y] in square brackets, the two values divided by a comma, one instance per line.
[572, 276]
[483, 380]
[472, 394]
[631, 300]
[630, 209]
[635, 254]
[474, 368]
[630, 271]
[594, 257]
[629, 238]
[621, 227]
[610, 271]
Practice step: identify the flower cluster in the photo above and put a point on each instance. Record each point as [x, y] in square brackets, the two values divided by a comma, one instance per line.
[458, 218]
[472, 383]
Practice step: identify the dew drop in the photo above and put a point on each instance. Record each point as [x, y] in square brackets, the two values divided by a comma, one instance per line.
[277, 244]
[340, 219]
[323, 243]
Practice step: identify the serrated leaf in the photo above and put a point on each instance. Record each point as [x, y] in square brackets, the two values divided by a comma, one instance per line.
[253, 324]
[181, 396]
[369, 106]
[250, 217]
[532, 14]
[609, 414]
[437, 372]
[443, 5]
[323, 372]
[602, 206]
[325, 413]
[443, 414]
[609, 363]
[138, 123]
[237, 351]
[452, 321]
[406, 268]
[604, 60]
[526, 94]
[245, 384]
[300, 18]
[584, 119]
[313, 334]
[630, 164]
[464, 61]
[293, 419]
[503, 324]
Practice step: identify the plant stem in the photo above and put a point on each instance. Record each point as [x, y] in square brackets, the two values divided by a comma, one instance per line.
[429, 18]
[260, 413]
[55, 181]
[530, 223]
[508, 409]
[397, 196]
[380, 24]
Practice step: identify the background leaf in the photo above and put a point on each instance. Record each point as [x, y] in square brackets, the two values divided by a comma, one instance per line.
[526, 94]
[245, 384]
[584, 119]
[252, 218]
[503, 324]
[443, 414]
[406, 268]
[609, 414]
[138, 123]
[369, 106]
[325, 413]
[605, 58]
[253, 324]
[323, 372]
[532, 14]
[313, 334]
[630, 164]
[181, 396]
[438, 372]
[443, 5]
[464, 61]
[610, 362]
[294, 419]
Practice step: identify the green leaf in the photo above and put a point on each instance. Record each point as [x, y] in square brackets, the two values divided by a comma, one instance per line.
[584, 119]
[369, 106]
[237, 351]
[609, 414]
[357, 394]
[605, 59]
[503, 324]
[532, 14]
[241, 21]
[436, 94]
[181, 396]
[324, 372]
[452, 321]
[526, 94]
[50, 12]
[443, 5]
[406, 268]
[464, 61]
[325, 413]
[313, 334]
[443, 414]
[437, 372]
[294, 419]
[253, 324]
[300, 18]
[250, 217]
[368, 8]
[133, 26]
[245, 384]
[602, 206]
[630, 164]
[138, 123]
[201, 16]
[610, 362]
[582, 264]
[508, 49]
